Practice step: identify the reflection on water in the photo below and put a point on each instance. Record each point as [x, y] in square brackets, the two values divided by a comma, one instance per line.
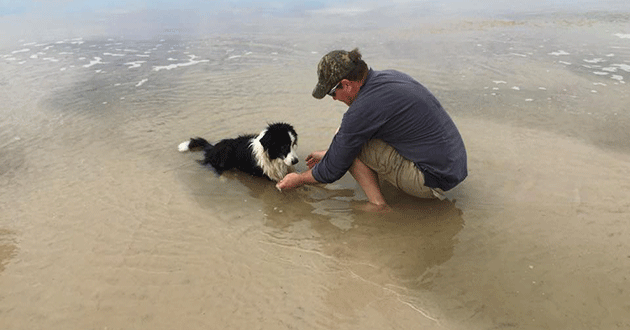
[105, 224]
[7, 247]
[396, 246]
[391, 251]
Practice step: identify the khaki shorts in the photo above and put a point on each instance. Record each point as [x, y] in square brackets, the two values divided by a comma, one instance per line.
[396, 169]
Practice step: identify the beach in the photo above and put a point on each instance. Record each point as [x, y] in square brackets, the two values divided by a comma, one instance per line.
[105, 225]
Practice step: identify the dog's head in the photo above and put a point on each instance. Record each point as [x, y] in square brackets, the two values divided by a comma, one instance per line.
[279, 141]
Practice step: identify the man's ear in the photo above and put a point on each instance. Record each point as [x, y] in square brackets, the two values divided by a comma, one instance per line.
[352, 86]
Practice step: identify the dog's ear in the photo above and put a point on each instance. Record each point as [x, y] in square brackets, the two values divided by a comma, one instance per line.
[266, 141]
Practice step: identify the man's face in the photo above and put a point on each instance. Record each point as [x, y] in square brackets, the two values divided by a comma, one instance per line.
[346, 92]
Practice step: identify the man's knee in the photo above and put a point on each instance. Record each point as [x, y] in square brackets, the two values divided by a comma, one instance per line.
[379, 156]
[394, 168]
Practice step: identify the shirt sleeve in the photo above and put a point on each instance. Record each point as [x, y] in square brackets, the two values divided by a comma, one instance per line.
[346, 145]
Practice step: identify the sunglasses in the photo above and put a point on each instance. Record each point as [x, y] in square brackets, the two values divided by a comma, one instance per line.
[334, 89]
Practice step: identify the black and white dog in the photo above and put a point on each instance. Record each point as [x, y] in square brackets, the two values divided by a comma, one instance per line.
[271, 154]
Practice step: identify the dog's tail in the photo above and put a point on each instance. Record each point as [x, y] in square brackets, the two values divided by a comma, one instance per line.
[194, 144]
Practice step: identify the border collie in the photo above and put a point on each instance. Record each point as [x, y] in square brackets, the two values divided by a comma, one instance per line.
[270, 154]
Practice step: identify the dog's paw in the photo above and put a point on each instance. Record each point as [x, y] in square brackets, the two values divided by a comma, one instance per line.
[183, 147]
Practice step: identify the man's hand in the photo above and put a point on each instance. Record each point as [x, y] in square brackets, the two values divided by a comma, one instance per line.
[290, 181]
[314, 157]
[294, 180]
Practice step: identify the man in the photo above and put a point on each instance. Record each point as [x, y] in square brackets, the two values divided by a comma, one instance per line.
[394, 128]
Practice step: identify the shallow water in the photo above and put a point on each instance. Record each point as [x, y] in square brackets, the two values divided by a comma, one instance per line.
[104, 224]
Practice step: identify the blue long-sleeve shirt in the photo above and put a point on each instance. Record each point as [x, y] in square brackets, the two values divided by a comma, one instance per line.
[397, 109]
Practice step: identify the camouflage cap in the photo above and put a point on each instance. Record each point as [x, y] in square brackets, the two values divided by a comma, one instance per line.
[332, 68]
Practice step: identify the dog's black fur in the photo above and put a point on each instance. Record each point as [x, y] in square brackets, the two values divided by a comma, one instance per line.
[271, 154]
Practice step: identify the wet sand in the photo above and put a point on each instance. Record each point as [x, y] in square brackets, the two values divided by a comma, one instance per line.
[105, 225]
